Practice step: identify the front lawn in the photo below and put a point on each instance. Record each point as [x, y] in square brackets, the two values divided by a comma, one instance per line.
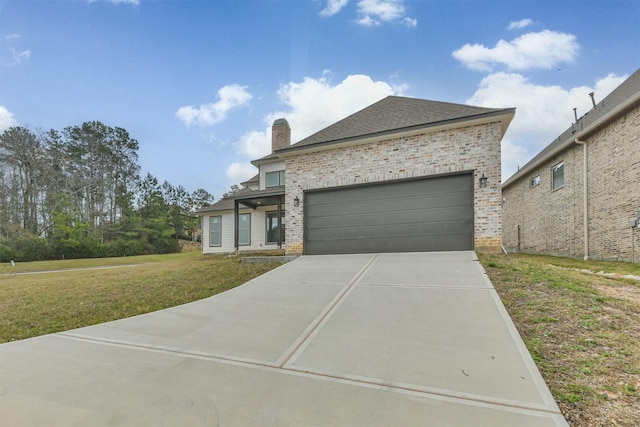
[81, 294]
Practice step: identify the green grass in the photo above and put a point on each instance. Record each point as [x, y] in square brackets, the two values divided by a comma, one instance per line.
[22, 267]
[582, 330]
[37, 304]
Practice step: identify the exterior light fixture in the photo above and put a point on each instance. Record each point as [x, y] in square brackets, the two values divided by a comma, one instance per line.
[296, 202]
[483, 181]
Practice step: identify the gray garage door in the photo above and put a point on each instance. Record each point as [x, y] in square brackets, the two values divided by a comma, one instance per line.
[433, 214]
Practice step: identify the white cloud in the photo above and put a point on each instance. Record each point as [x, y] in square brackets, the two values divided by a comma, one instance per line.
[16, 58]
[6, 119]
[410, 22]
[131, 2]
[374, 12]
[240, 172]
[229, 97]
[518, 25]
[333, 7]
[513, 157]
[367, 21]
[542, 112]
[11, 56]
[544, 49]
[255, 144]
[314, 104]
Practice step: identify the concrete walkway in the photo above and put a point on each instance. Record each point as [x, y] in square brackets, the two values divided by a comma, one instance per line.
[351, 340]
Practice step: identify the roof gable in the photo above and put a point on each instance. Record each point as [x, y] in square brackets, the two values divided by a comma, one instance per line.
[394, 114]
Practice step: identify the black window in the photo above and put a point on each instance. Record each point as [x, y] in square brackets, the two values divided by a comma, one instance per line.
[275, 226]
[558, 175]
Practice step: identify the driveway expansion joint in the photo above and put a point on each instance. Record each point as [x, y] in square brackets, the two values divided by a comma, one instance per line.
[358, 381]
[299, 345]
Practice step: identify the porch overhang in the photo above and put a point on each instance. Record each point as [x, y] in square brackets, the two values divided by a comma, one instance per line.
[254, 200]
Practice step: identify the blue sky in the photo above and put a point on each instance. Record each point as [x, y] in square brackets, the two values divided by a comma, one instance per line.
[198, 83]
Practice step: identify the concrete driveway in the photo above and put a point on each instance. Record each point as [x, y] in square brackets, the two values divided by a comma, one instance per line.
[413, 339]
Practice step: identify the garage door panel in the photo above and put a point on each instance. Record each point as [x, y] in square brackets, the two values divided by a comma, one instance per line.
[420, 215]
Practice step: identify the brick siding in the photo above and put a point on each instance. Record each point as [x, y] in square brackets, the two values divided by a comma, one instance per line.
[472, 148]
[551, 222]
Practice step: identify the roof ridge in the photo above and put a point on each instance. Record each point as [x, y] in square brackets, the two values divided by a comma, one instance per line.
[392, 113]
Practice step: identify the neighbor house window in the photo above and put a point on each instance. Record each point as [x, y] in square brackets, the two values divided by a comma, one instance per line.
[215, 231]
[275, 226]
[534, 181]
[275, 179]
[244, 229]
[558, 175]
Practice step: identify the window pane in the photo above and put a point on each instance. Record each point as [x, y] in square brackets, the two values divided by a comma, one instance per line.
[215, 231]
[273, 227]
[558, 175]
[273, 179]
[244, 229]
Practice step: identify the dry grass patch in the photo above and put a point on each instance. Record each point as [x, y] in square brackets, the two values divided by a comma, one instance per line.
[582, 330]
[38, 304]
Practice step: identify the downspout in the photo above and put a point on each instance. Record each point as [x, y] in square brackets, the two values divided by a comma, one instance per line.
[585, 219]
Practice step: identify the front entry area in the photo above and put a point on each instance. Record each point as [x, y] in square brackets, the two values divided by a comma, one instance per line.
[418, 215]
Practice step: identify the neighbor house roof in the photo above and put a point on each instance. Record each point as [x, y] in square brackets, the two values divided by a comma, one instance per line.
[395, 114]
[622, 98]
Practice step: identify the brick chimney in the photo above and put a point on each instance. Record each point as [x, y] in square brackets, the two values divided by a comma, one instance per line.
[280, 135]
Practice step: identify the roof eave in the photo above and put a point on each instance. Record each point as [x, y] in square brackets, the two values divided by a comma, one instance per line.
[570, 141]
[266, 159]
[505, 116]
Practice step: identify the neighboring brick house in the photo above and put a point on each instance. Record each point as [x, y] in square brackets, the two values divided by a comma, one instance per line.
[544, 202]
[401, 175]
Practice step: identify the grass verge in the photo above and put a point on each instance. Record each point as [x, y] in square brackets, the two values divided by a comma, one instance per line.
[582, 330]
[38, 304]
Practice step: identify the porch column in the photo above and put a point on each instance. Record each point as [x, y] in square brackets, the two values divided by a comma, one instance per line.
[279, 222]
[236, 215]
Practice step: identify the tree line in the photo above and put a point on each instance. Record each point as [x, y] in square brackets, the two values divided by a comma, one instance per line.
[78, 193]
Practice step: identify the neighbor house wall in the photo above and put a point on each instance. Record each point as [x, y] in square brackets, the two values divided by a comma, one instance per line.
[614, 186]
[472, 148]
[551, 222]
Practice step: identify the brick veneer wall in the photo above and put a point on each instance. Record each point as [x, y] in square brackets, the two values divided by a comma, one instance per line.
[551, 222]
[472, 148]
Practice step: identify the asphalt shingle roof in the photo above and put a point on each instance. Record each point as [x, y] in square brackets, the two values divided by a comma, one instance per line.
[626, 90]
[393, 113]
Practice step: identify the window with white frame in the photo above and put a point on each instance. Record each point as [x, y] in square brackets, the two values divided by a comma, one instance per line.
[534, 181]
[244, 229]
[274, 179]
[215, 230]
[558, 175]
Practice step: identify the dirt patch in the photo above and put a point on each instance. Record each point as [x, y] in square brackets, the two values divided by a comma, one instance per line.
[624, 292]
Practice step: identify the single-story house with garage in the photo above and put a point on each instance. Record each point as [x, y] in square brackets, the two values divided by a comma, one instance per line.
[580, 196]
[402, 175]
